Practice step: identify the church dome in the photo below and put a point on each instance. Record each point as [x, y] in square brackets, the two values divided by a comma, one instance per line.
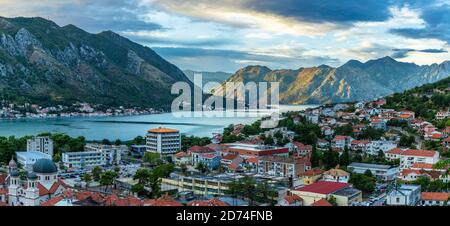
[45, 166]
[14, 173]
[12, 163]
[32, 176]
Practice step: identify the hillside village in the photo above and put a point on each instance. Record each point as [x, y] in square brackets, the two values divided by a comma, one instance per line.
[351, 154]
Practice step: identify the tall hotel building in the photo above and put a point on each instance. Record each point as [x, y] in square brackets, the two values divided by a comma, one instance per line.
[164, 141]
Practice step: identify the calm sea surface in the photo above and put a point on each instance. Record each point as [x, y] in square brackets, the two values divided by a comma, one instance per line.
[126, 127]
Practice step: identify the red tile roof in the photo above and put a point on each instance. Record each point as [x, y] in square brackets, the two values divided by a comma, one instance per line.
[253, 160]
[356, 142]
[229, 157]
[321, 202]
[200, 149]
[211, 202]
[52, 201]
[340, 137]
[165, 200]
[422, 166]
[438, 196]
[395, 151]
[323, 187]
[181, 154]
[292, 199]
[312, 172]
[163, 130]
[421, 153]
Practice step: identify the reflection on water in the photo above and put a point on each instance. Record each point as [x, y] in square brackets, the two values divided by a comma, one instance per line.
[126, 127]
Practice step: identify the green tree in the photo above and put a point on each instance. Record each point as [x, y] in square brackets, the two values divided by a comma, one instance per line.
[332, 200]
[118, 142]
[96, 173]
[107, 179]
[183, 168]
[311, 138]
[139, 140]
[202, 167]
[266, 193]
[138, 189]
[152, 158]
[330, 159]
[344, 159]
[269, 141]
[87, 178]
[142, 175]
[106, 142]
[315, 157]
[363, 182]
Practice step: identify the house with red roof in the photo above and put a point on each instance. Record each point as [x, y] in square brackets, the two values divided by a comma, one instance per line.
[409, 157]
[340, 142]
[291, 200]
[321, 202]
[199, 153]
[359, 145]
[435, 198]
[211, 202]
[182, 157]
[311, 176]
[344, 193]
[300, 149]
[287, 167]
[414, 174]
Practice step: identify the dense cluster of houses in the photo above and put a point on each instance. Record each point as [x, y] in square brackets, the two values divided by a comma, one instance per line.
[76, 110]
[313, 186]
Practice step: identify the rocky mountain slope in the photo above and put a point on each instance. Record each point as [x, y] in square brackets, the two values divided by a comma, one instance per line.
[44, 63]
[352, 81]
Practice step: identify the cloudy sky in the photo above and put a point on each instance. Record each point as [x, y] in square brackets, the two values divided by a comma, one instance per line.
[226, 35]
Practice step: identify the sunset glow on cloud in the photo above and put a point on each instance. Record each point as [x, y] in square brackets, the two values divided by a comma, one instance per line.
[229, 34]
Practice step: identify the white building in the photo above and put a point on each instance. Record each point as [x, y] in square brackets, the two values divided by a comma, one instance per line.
[381, 172]
[94, 155]
[336, 175]
[83, 159]
[42, 184]
[41, 144]
[376, 146]
[341, 142]
[166, 142]
[28, 158]
[405, 195]
[409, 157]
[112, 153]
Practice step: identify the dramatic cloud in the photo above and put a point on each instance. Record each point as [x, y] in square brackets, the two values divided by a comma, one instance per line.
[229, 34]
[402, 53]
[334, 11]
[437, 23]
[93, 16]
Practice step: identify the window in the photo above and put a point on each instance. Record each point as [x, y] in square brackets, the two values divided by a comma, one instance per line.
[397, 200]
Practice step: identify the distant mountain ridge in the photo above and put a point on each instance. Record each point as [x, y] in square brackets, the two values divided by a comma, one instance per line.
[44, 63]
[353, 81]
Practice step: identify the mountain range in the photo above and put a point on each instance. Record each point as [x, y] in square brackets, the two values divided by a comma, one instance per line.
[218, 76]
[44, 63]
[353, 81]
